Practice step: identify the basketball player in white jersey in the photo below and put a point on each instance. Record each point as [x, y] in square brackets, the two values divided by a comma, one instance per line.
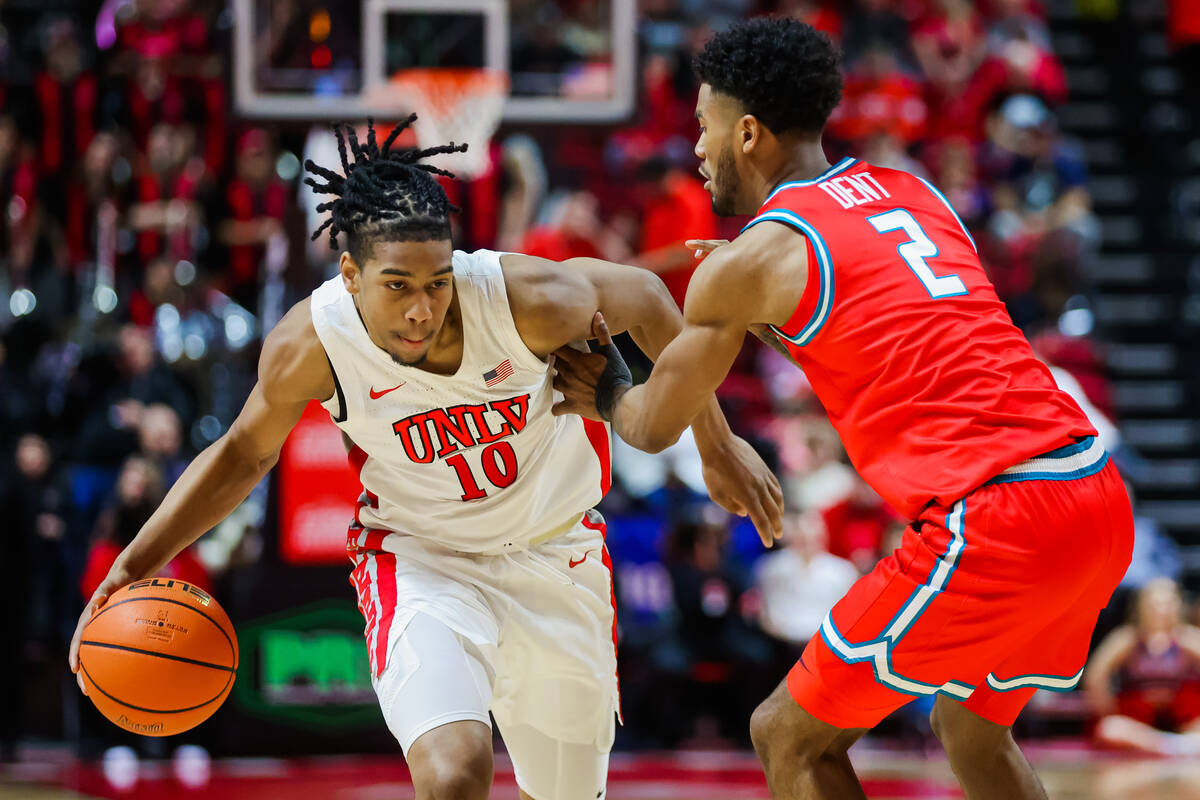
[480, 567]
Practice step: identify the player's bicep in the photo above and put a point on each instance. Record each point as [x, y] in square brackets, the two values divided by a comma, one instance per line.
[263, 425]
[292, 371]
[553, 303]
[629, 297]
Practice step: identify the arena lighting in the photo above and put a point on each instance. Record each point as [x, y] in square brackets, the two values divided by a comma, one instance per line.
[287, 166]
[319, 25]
[237, 331]
[185, 273]
[194, 346]
[209, 427]
[1076, 322]
[22, 302]
[105, 299]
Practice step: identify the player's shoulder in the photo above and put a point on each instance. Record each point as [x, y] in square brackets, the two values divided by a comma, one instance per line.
[745, 276]
[293, 360]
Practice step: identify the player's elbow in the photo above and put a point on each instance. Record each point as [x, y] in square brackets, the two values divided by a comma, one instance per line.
[655, 441]
[657, 293]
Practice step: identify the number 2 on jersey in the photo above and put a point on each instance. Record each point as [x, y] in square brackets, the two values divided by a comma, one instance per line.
[499, 465]
[914, 252]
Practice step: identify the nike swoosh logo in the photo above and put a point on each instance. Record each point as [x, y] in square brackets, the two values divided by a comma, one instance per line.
[376, 395]
[572, 563]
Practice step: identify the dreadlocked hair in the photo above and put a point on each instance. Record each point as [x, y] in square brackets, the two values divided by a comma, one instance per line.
[382, 195]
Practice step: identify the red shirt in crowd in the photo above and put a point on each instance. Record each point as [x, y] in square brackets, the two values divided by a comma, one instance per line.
[682, 211]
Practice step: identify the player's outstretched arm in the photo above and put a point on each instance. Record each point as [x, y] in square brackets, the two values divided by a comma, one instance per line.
[557, 303]
[292, 370]
[759, 278]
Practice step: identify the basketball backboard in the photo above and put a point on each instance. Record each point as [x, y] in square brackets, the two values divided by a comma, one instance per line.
[566, 60]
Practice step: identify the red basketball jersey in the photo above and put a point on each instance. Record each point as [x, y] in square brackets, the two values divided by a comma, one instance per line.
[906, 344]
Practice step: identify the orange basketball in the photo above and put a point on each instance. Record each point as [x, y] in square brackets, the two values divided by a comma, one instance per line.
[159, 657]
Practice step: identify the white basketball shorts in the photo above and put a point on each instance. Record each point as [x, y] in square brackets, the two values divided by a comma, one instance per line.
[527, 634]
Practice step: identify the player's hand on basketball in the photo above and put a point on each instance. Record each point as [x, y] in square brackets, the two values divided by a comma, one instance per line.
[97, 600]
[739, 481]
[703, 247]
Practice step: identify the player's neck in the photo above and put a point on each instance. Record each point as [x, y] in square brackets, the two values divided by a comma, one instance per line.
[801, 162]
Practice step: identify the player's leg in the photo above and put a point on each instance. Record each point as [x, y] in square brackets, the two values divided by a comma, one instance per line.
[434, 693]
[802, 756]
[983, 755]
[549, 768]
[556, 687]
[452, 761]
[1048, 616]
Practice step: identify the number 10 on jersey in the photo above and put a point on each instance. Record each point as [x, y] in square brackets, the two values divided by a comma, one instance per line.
[499, 462]
[914, 252]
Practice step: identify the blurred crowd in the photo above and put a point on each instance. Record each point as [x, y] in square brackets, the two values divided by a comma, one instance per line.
[150, 238]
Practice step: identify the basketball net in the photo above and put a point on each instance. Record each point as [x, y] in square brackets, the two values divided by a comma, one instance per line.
[453, 105]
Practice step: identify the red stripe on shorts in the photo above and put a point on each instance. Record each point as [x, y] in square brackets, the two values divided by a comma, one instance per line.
[385, 582]
[606, 559]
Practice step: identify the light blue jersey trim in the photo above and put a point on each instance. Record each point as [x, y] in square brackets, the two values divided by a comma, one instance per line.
[946, 203]
[947, 564]
[1054, 683]
[841, 166]
[879, 650]
[825, 270]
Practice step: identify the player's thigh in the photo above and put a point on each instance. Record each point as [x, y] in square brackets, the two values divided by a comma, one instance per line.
[433, 678]
[547, 768]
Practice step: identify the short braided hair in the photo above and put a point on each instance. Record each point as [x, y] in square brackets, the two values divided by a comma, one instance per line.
[382, 195]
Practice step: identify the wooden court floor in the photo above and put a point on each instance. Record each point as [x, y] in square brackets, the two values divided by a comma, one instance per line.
[1069, 772]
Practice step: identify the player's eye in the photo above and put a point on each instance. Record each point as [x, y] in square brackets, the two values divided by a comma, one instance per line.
[440, 284]
[394, 285]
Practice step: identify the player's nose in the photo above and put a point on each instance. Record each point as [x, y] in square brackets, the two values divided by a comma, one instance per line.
[699, 148]
[420, 312]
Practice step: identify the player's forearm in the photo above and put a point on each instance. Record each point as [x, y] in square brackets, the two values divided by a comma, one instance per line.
[650, 425]
[661, 324]
[209, 490]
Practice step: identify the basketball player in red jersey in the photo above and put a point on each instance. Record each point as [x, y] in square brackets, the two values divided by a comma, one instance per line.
[866, 278]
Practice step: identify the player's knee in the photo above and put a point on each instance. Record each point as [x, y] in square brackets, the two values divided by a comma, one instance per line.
[760, 728]
[464, 775]
[777, 728]
[937, 721]
[964, 734]
[459, 782]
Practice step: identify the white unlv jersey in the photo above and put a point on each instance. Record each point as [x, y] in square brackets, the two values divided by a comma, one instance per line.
[473, 461]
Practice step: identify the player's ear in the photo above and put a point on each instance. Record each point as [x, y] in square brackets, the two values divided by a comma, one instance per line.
[747, 132]
[350, 272]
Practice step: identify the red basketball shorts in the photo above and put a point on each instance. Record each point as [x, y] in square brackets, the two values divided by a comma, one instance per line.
[985, 601]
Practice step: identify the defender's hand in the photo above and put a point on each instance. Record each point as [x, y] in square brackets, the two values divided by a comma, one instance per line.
[738, 480]
[591, 383]
[703, 247]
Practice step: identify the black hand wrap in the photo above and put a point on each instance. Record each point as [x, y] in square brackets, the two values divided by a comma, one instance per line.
[615, 376]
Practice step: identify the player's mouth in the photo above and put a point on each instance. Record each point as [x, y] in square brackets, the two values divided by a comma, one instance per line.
[412, 342]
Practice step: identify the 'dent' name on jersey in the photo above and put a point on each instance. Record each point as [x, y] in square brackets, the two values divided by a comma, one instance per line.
[853, 190]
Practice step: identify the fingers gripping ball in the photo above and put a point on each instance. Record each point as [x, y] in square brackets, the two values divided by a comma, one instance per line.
[159, 657]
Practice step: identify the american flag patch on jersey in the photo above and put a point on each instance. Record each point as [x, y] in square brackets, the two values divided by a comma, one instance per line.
[502, 371]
